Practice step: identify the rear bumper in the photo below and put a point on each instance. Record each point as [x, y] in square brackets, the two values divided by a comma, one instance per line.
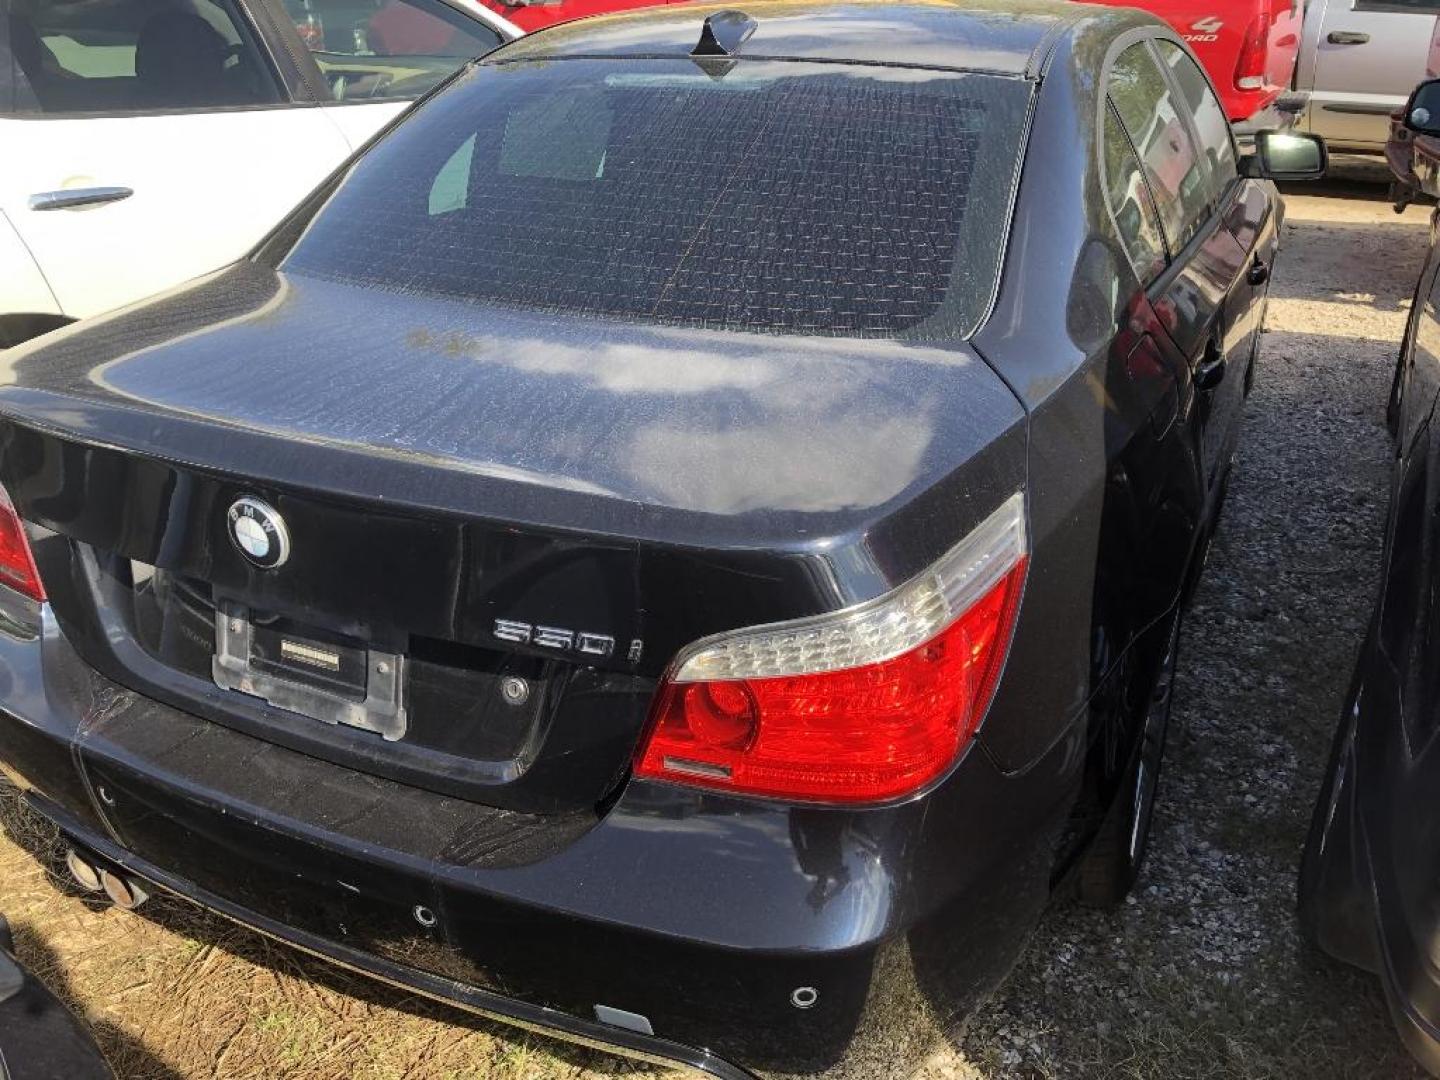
[700, 913]
[484, 1003]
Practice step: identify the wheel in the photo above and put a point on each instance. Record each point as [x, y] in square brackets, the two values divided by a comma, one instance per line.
[1108, 870]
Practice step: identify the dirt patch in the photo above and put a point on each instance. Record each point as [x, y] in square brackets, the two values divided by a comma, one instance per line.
[1201, 975]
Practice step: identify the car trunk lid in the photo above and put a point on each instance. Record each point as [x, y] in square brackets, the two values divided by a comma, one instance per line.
[531, 513]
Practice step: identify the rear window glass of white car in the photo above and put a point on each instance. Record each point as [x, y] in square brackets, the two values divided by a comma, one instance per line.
[127, 56]
[806, 198]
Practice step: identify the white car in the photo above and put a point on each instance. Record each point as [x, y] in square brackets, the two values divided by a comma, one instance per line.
[145, 142]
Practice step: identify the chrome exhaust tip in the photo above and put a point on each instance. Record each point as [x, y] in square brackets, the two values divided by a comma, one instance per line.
[85, 873]
[124, 892]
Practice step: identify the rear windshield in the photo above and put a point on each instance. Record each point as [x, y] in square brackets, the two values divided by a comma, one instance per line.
[776, 197]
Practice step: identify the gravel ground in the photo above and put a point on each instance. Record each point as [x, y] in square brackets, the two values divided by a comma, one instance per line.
[1200, 975]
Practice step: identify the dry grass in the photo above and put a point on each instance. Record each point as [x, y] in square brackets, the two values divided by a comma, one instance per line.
[173, 992]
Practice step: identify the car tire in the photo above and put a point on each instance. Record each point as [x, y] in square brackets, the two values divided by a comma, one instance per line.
[1109, 869]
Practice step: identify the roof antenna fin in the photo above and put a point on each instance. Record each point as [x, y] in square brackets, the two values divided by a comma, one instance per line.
[724, 33]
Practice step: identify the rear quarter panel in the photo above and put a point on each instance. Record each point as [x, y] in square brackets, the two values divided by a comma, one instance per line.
[1105, 564]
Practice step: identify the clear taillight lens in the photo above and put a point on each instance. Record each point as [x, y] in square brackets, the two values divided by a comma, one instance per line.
[17, 564]
[861, 705]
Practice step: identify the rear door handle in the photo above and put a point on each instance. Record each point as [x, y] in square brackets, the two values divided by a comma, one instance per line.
[71, 198]
[1259, 272]
[1347, 37]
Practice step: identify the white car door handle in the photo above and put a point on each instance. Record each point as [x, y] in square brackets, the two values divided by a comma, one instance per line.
[69, 198]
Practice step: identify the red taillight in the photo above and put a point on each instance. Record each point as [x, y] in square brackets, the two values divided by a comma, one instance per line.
[1250, 67]
[848, 731]
[17, 564]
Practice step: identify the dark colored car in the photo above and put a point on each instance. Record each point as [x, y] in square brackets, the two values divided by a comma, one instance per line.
[1413, 154]
[39, 1038]
[1413, 149]
[1369, 887]
[682, 542]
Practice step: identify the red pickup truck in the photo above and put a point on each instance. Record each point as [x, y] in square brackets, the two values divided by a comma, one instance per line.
[1247, 46]
[531, 15]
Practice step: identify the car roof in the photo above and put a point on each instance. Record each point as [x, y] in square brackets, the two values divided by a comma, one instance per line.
[1005, 36]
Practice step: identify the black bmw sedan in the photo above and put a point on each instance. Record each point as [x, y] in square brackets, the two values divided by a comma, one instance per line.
[1369, 888]
[681, 543]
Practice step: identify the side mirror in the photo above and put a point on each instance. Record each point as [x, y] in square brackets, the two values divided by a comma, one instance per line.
[1286, 155]
[1422, 111]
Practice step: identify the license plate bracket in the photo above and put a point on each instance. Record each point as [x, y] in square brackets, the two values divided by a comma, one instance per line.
[336, 684]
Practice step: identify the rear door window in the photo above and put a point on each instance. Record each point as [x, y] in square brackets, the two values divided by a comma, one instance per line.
[129, 56]
[1211, 125]
[373, 50]
[806, 198]
[1130, 203]
[1155, 119]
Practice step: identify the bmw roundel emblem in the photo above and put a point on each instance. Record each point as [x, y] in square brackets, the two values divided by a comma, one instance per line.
[259, 532]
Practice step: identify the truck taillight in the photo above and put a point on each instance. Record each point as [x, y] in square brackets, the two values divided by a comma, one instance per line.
[1250, 67]
[861, 705]
[17, 564]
